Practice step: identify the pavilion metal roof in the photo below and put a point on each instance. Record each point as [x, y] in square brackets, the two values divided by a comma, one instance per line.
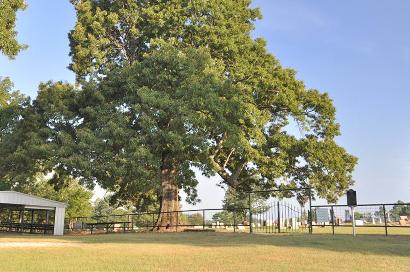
[17, 198]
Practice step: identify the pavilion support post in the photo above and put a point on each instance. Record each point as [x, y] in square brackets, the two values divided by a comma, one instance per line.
[21, 220]
[59, 221]
[9, 219]
[32, 221]
[47, 221]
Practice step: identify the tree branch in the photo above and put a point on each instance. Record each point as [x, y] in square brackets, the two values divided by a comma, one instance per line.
[227, 159]
[219, 146]
[234, 177]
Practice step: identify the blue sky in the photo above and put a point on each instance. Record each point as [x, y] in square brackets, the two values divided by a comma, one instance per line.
[357, 51]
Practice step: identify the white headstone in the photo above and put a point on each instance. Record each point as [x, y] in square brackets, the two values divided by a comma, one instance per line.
[359, 222]
[322, 215]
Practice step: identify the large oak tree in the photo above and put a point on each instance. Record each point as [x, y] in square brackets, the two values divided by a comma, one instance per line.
[109, 34]
[171, 85]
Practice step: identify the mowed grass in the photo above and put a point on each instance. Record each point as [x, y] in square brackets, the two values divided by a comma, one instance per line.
[206, 252]
[363, 230]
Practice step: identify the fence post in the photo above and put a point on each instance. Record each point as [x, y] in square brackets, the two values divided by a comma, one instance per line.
[203, 219]
[250, 214]
[332, 213]
[310, 219]
[128, 223]
[234, 221]
[385, 220]
[177, 221]
[278, 217]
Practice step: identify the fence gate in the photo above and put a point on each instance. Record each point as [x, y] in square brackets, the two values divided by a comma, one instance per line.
[281, 211]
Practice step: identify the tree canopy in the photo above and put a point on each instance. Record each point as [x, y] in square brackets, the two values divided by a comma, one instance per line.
[400, 209]
[11, 103]
[115, 34]
[76, 196]
[9, 46]
[169, 86]
[104, 207]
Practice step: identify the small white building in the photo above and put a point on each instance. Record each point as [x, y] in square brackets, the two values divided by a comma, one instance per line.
[15, 202]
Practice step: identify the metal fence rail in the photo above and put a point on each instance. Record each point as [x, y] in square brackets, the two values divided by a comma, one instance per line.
[376, 218]
[279, 214]
[201, 219]
[280, 217]
[276, 215]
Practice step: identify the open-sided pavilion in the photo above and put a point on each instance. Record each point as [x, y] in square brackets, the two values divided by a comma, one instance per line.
[30, 214]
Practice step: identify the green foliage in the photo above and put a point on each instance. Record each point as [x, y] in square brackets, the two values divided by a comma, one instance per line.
[25, 147]
[104, 207]
[359, 215]
[225, 217]
[261, 153]
[119, 131]
[240, 200]
[174, 85]
[11, 103]
[195, 219]
[238, 203]
[76, 196]
[19, 141]
[399, 210]
[9, 46]
[116, 33]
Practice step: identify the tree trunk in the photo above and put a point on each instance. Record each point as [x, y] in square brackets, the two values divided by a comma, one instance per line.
[168, 218]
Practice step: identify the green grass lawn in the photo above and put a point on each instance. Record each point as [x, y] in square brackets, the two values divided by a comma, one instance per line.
[363, 230]
[205, 252]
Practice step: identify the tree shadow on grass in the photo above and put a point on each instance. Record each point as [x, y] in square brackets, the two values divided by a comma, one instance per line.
[365, 244]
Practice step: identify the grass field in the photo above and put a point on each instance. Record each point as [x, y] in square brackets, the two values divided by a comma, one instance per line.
[205, 252]
[362, 230]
